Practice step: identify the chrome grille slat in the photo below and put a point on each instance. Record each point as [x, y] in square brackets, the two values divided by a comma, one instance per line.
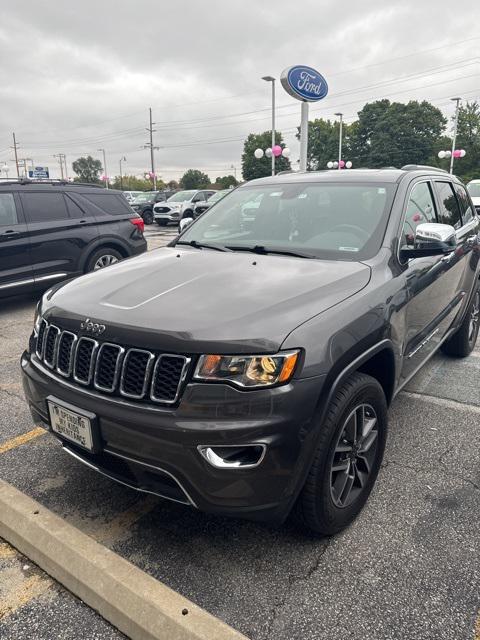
[107, 367]
[133, 367]
[65, 352]
[50, 346]
[84, 361]
[110, 368]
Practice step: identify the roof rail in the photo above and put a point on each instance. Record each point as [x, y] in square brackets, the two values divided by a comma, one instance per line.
[52, 181]
[282, 173]
[417, 167]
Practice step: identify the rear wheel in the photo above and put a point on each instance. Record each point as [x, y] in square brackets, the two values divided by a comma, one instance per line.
[147, 217]
[103, 258]
[462, 343]
[348, 457]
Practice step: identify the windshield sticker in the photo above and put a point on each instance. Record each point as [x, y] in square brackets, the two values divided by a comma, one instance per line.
[381, 190]
[348, 249]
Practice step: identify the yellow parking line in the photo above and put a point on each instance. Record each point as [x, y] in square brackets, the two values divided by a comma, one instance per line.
[23, 439]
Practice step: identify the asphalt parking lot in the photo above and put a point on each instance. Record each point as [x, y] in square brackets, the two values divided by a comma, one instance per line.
[409, 567]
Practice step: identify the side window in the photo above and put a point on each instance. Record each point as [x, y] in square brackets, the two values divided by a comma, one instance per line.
[420, 209]
[44, 207]
[449, 210]
[465, 206]
[74, 211]
[8, 210]
[199, 197]
[109, 203]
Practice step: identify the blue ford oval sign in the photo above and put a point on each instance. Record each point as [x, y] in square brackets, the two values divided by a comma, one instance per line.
[304, 83]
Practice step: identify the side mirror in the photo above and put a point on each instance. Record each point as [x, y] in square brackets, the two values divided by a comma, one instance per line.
[184, 223]
[431, 239]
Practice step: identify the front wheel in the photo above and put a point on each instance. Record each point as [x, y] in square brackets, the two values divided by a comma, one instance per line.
[162, 223]
[147, 217]
[103, 258]
[348, 457]
[462, 343]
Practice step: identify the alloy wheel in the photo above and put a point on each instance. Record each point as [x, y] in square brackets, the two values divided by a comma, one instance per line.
[105, 261]
[354, 455]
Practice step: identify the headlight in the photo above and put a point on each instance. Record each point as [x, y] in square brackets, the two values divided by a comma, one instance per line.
[248, 371]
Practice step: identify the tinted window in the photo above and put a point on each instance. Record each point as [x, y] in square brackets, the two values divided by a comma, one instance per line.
[467, 213]
[8, 211]
[200, 197]
[449, 210]
[44, 207]
[112, 203]
[75, 211]
[420, 209]
[318, 219]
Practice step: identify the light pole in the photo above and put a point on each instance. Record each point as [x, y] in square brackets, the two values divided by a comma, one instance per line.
[272, 80]
[340, 115]
[232, 166]
[105, 173]
[457, 100]
[123, 158]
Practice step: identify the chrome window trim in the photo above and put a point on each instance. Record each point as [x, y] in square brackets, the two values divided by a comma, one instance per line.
[52, 364]
[148, 371]
[181, 380]
[66, 374]
[37, 352]
[92, 360]
[116, 372]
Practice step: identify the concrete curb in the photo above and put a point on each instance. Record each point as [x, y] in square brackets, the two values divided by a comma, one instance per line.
[138, 605]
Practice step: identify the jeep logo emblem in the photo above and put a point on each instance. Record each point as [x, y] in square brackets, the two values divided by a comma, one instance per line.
[92, 327]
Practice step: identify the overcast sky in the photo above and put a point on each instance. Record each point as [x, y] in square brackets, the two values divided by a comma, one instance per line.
[79, 76]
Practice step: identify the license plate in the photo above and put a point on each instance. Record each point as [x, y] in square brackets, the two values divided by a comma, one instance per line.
[71, 425]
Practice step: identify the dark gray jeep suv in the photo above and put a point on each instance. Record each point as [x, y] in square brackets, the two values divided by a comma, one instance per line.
[247, 368]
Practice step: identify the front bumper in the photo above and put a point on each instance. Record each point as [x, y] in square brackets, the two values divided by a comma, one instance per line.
[155, 449]
[171, 215]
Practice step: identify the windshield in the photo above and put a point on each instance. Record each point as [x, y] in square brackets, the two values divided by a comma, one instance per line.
[324, 220]
[474, 189]
[181, 196]
[145, 197]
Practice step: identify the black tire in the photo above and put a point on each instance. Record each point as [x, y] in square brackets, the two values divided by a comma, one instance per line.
[462, 342]
[105, 254]
[162, 223]
[147, 217]
[187, 214]
[318, 506]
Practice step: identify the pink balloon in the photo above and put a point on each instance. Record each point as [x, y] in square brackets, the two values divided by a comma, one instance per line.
[456, 153]
[277, 150]
[342, 164]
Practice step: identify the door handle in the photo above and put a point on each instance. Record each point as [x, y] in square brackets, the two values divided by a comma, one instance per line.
[83, 222]
[10, 234]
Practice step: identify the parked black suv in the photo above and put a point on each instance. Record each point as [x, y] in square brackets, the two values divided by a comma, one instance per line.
[144, 202]
[247, 368]
[57, 230]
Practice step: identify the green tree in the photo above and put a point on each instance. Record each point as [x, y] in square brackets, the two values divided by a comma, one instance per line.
[468, 138]
[224, 182]
[323, 137]
[393, 133]
[194, 179]
[87, 169]
[259, 168]
[172, 184]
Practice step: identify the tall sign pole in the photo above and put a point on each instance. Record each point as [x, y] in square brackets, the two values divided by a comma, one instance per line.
[457, 108]
[307, 85]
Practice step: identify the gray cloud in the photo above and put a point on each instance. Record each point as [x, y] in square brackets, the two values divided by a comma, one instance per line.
[77, 77]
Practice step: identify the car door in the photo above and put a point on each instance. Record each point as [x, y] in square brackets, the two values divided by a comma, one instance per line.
[468, 237]
[16, 275]
[432, 283]
[60, 229]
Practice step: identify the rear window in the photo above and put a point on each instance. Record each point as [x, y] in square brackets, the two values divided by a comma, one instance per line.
[112, 203]
[44, 207]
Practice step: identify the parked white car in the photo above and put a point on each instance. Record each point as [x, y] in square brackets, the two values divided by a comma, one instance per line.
[131, 195]
[179, 205]
[473, 188]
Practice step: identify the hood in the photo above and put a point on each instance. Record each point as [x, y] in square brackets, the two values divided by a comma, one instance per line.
[194, 301]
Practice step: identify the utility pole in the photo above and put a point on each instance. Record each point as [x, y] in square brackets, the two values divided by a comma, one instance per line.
[234, 171]
[272, 80]
[104, 167]
[457, 108]
[60, 157]
[123, 158]
[340, 140]
[16, 154]
[66, 167]
[150, 146]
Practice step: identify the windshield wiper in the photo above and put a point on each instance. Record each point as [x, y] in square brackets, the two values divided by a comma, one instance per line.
[203, 245]
[262, 250]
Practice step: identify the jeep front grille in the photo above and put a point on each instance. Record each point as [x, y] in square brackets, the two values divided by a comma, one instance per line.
[111, 368]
